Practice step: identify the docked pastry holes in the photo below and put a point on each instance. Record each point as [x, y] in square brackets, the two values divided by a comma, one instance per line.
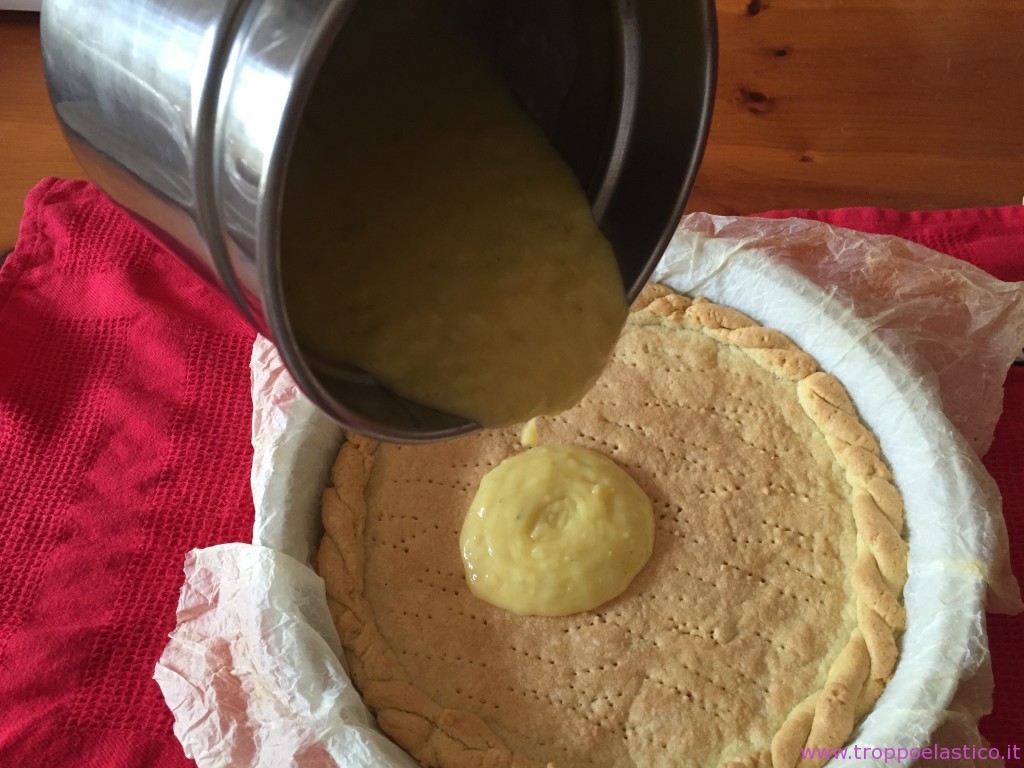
[765, 621]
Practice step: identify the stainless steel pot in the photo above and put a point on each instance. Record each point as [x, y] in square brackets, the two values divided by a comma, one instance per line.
[185, 111]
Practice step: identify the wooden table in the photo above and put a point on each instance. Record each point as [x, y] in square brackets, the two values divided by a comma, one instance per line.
[821, 103]
[907, 104]
[31, 144]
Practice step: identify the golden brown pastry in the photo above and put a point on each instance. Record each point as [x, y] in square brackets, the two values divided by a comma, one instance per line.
[765, 621]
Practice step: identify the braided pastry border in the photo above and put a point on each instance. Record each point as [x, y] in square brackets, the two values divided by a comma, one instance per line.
[446, 738]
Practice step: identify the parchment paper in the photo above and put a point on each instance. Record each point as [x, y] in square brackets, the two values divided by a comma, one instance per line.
[252, 671]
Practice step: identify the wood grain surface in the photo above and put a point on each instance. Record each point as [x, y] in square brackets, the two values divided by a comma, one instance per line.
[901, 103]
[907, 104]
[31, 145]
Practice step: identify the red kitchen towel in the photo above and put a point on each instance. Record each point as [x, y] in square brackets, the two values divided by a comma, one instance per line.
[124, 442]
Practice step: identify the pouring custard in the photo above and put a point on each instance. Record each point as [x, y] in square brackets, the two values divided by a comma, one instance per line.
[437, 240]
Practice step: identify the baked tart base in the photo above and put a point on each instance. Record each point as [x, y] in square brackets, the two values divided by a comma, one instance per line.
[765, 622]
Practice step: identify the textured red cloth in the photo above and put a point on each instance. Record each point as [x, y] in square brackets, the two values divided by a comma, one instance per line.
[124, 442]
